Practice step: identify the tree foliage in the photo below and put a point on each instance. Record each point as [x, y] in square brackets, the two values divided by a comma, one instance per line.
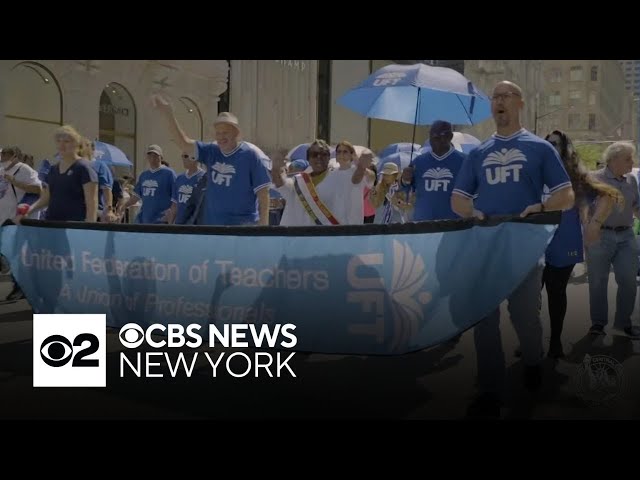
[591, 153]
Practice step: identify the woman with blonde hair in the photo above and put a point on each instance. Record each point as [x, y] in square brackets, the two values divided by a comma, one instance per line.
[70, 191]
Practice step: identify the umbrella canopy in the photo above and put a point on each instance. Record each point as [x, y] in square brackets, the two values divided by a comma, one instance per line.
[418, 94]
[111, 155]
[399, 147]
[463, 142]
[401, 159]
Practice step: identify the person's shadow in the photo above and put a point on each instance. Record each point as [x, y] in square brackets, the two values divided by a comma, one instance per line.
[131, 292]
[42, 284]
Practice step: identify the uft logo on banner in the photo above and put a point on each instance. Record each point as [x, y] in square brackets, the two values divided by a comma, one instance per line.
[69, 350]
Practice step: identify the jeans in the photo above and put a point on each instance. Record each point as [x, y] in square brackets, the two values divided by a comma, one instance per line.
[524, 309]
[620, 250]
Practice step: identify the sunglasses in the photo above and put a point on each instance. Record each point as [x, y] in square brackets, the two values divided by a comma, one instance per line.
[322, 154]
[186, 157]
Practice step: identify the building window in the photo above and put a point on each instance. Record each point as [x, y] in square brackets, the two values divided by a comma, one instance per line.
[556, 76]
[574, 121]
[324, 100]
[117, 120]
[575, 94]
[225, 98]
[555, 99]
[594, 74]
[575, 74]
[33, 109]
[592, 121]
[592, 98]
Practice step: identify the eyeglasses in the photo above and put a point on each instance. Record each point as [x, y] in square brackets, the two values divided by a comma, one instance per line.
[504, 96]
[322, 154]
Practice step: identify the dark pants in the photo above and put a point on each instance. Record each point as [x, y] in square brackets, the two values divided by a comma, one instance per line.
[555, 279]
[275, 215]
[369, 219]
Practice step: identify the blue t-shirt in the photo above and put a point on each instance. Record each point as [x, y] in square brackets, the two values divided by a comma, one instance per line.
[44, 169]
[433, 181]
[566, 247]
[508, 173]
[105, 179]
[235, 178]
[154, 187]
[182, 190]
[66, 191]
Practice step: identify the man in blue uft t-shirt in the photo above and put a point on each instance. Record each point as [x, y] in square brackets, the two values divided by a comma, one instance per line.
[432, 175]
[507, 173]
[154, 188]
[184, 186]
[238, 180]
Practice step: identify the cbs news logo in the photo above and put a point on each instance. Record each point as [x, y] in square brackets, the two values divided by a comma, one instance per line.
[69, 350]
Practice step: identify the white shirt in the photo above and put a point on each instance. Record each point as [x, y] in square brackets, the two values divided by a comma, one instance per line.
[349, 209]
[11, 196]
[334, 191]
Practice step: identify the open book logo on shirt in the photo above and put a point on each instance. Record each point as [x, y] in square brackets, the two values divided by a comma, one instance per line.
[222, 173]
[502, 167]
[438, 173]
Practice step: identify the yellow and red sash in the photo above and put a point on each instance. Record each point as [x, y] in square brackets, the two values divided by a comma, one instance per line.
[306, 191]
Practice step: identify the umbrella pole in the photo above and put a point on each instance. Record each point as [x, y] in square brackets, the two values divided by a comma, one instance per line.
[413, 138]
[415, 124]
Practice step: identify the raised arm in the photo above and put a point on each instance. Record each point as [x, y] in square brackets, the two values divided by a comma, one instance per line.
[364, 162]
[278, 176]
[185, 143]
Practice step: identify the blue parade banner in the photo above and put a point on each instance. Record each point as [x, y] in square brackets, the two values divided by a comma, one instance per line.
[371, 289]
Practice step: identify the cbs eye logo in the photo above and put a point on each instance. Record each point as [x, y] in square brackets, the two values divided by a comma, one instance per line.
[56, 351]
[131, 335]
[69, 350]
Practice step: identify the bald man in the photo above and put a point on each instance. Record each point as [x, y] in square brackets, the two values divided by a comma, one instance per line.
[508, 172]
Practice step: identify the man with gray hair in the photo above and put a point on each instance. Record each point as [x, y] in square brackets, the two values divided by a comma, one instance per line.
[617, 246]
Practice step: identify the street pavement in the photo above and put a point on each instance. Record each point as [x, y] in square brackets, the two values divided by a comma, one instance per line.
[437, 383]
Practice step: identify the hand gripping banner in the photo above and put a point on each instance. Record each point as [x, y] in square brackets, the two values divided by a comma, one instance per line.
[367, 289]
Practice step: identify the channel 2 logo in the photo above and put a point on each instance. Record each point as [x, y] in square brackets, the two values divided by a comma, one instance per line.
[69, 350]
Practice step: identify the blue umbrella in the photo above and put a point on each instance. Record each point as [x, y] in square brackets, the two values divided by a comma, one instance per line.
[399, 147]
[300, 152]
[401, 159]
[463, 142]
[418, 94]
[111, 155]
